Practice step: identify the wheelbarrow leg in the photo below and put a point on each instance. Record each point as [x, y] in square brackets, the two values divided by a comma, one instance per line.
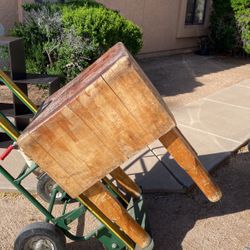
[115, 212]
[127, 184]
[186, 157]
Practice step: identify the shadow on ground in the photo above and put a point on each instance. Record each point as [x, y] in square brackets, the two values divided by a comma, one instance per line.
[92, 244]
[181, 79]
[173, 216]
[208, 225]
[180, 71]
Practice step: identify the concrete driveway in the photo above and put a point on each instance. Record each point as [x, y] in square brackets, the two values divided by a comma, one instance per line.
[182, 79]
[178, 221]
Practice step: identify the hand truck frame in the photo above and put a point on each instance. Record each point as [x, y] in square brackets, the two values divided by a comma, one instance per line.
[52, 232]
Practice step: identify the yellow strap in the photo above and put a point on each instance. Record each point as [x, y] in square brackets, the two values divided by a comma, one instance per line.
[8, 128]
[115, 189]
[104, 220]
[18, 92]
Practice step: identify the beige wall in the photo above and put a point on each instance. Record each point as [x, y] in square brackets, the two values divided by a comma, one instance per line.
[20, 9]
[8, 13]
[162, 22]
[11, 12]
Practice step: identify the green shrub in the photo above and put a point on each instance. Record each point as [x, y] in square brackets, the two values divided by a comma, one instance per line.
[58, 6]
[102, 26]
[224, 34]
[65, 38]
[4, 58]
[242, 14]
[230, 25]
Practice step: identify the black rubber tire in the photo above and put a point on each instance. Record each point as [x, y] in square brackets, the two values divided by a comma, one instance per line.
[42, 189]
[40, 231]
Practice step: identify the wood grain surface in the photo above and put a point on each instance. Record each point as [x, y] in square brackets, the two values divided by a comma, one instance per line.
[186, 157]
[127, 184]
[96, 122]
[113, 210]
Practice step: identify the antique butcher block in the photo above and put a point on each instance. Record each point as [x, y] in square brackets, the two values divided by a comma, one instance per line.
[96, 122]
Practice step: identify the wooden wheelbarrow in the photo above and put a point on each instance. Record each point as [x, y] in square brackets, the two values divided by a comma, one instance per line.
[87, 129]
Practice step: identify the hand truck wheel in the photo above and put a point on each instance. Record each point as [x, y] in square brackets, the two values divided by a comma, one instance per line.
[45, 185]
[40, 236]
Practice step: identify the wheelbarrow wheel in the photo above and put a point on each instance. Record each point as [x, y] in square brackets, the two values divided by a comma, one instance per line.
[45, 185]
[40, 236]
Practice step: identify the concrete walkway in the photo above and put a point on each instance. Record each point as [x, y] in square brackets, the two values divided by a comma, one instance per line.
[185, 78]
[216, 124]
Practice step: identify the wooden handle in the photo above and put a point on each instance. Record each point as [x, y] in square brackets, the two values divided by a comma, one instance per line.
[186, 157]
[128, 185]
[114, 211]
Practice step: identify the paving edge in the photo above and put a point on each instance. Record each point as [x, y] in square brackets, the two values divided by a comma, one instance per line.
[215, 167]
[150, 191]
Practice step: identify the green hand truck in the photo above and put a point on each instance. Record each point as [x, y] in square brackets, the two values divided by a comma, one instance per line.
[51, 234]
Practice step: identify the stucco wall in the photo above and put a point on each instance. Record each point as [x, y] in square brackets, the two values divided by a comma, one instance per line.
[162, 22]
[20, 9]
[8, 13]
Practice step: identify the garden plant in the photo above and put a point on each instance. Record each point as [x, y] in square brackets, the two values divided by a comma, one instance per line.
[64, 38]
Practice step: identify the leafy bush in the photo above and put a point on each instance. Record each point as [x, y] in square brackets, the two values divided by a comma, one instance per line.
[4, 58]
[65, 38]
[230, 25]
[58, 6]
[242, 13]
[102, 26]
[223, 29]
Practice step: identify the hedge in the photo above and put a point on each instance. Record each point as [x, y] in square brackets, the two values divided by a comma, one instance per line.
[230, 25]
[103, 26]
[242, 14]
[64, 39]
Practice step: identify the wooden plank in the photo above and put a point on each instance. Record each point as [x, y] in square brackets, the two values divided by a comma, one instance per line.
[139, 96]
[128, 185]
[61, 150]
[99, 120]
[111, 208]
[108, 183]
[95, 125]
[186, 157]
[40, 155]
[130, 245]
[83, 144]
[71, 90]
[114, 119]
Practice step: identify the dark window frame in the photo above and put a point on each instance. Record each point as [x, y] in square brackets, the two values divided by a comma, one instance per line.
[192, 22]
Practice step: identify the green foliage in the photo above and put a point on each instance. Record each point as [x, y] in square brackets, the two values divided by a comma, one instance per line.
[242, 13]
[65, 38]
[4, 58]
[223, 29]
[58, 6]
[104, 27]
[230, 25]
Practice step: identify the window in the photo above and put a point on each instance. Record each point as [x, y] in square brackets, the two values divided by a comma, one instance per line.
[195, 13]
